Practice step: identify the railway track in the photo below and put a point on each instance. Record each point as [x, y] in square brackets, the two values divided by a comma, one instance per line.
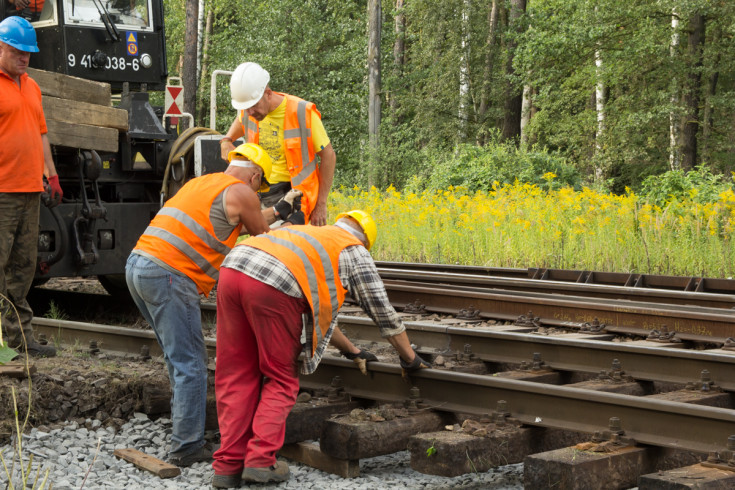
[607, 375]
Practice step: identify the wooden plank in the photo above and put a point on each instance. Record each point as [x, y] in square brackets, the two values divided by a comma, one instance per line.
[16, 370]
[68, 87]
[309, 454]
[82, 136]
[147, 462]
[73, 111]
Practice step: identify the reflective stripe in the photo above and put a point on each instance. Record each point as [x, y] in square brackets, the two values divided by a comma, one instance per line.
[311, 273]
[252, 126]
[303, 133]
[326, 263]
[305, 172]
[196, 228]
[185, 248]
[295, 133]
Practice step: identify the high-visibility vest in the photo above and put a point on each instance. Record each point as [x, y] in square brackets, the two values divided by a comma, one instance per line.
[311, 253]
[298, 147]
[182, 235]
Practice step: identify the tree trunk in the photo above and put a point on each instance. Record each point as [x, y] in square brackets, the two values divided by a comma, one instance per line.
[399, 54]
[513, 93]
[464, 72]
[189, 70]
[674, 120]
[205, 65]
[691, 97]
[708, 118]
[600, 111]
[492, 21]
[373, 59]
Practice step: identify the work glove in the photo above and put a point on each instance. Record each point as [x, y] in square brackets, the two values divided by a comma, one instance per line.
[361, 359]
[296, 218]
[288, 204]
[53, 190]
[411, 367]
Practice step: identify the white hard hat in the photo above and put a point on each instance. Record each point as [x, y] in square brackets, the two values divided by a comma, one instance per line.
[247, 85]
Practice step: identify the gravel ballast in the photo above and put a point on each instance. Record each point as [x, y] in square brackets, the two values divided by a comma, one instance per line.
[72, 457]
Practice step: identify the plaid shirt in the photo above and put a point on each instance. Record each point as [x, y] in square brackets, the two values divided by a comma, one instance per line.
[358, 275]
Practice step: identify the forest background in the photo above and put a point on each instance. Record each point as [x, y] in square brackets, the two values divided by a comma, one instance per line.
[622, 98]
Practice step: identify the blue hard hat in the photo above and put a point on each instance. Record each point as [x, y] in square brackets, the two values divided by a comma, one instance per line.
[19, 33]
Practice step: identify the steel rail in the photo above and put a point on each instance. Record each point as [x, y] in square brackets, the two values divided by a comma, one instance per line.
[642, 362]
[635, 280]
[690, 322]
[649, 421]
[608, 292]
[118, 339]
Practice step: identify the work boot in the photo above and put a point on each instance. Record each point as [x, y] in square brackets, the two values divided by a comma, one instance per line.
[226, 481]
[204, 453]
[38, 350]
[277, 472]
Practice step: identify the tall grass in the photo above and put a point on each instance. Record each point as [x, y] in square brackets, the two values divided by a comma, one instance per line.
[525, 225]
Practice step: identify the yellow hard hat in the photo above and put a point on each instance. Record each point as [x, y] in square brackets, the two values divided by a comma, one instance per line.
[367, 223]
[257, 155]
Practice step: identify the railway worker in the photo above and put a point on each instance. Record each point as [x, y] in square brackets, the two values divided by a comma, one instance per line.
[291, 131]
[30, 9]
[25, 159]
[266, 284]
[178, 258]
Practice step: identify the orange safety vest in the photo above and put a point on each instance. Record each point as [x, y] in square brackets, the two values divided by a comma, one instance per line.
[182, 235]
[311, 253]
[299, 147]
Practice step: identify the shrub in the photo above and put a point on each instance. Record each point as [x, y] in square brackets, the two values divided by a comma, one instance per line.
[476, 168]
[700, 185]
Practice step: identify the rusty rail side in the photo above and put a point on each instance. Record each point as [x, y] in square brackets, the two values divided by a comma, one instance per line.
[648, 421]
[559, 353]
[478, 282]
[690, 322]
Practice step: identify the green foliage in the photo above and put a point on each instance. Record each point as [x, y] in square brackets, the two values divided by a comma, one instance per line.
[317, 50]
[432, 450]
[480, 168]
[700, 185]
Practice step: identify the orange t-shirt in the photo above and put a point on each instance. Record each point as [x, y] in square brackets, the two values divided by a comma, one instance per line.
[35, 6]
[21, 126]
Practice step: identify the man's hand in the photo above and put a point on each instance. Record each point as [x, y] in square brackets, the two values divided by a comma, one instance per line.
[288, 204]
[225, 147]
[319, 215]
[411, 367]
[361, 359]
[53, 189]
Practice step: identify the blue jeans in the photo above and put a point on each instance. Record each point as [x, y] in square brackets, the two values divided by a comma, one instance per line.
[170, 303]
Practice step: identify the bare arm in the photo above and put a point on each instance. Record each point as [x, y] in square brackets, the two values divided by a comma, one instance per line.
[49, 169]
[243, 205]
[233, 133]
[326, 176]
[341, 342]
[401, 344]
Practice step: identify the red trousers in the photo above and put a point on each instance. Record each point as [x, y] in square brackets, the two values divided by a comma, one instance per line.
[256, 378]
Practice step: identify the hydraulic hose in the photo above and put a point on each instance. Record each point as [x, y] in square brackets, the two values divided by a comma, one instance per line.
[181, 152]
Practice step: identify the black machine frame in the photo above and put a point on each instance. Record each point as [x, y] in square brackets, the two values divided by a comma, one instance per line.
[109, 197]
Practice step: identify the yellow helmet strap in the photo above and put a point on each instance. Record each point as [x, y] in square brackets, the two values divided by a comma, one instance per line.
[345, 224]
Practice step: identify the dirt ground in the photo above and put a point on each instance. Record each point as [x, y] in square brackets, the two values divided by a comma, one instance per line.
[78, 386]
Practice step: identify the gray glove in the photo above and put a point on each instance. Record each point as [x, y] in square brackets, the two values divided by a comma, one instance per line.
[361, 359]
[411, 367]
